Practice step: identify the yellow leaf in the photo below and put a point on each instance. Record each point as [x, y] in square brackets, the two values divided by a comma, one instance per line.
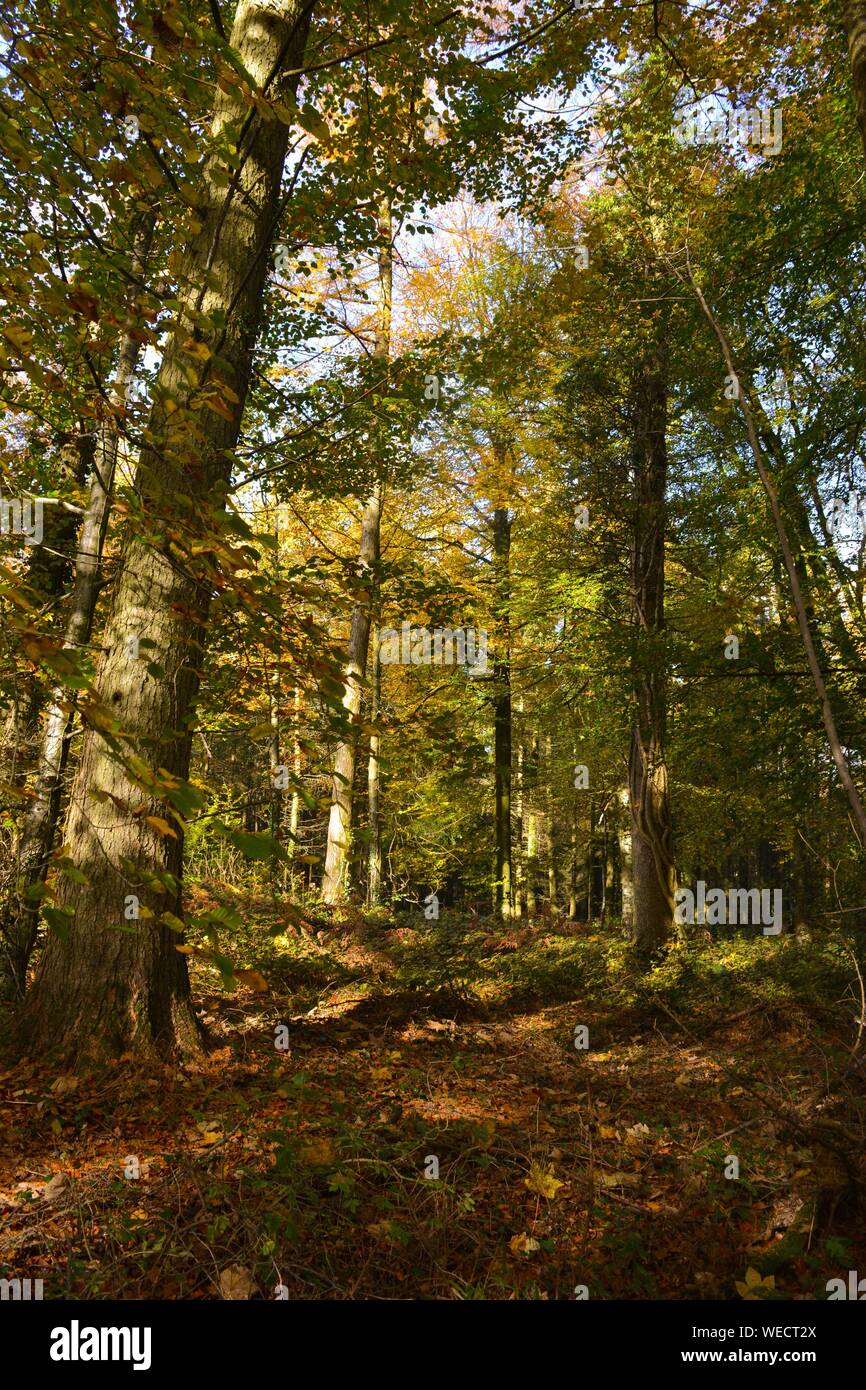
[318, 1151]
[253, 980]
[523, 1244]
[754, 1284]
[161, 825]
[20, 338]
[542, 1181]
[218, 407]
[196, 349]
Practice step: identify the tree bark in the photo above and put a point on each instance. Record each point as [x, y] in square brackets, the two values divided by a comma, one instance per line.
[334, 879]
[652, 851]
[626, 871]
[295, 804]
[105, 991]
[854, 23]
[374, 853]
[502, 716]
[21, 916]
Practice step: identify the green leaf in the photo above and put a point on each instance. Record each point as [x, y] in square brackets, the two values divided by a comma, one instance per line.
[255, 845]
[59, 920]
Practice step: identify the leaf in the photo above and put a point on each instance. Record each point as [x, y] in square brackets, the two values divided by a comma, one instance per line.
[523, 1244]
[55, 1189]
[59, 920]
[20, 338]
[197, 349]
[84, 302]
[64, 1085]
[219, 407]
[255, 845]
[236, 1283]
[318, 1151]
[754, 1285]
[73, 873]
[162, 826]
[542, 1181]
[253, 980]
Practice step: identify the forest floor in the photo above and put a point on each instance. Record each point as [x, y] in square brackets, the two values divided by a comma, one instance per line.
[560, 1169]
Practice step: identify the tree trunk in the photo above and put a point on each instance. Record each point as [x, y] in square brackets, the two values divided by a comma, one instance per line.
[626, 870]
[854, 22]
[295, 805]
[374, 853]
[334, 883]
[652, 851]
[531, 862]
[572, 869]
[502, 716]
[21, 918]
[105, 991]
[550, 828]
[837, 751]
[520, 901]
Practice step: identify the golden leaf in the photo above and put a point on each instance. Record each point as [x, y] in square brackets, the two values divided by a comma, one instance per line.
[162, 826]
[253, 980]
[523, 1244]
[542, 1181]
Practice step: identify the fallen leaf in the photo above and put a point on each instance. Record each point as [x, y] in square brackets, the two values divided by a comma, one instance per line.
[236, 1283]
[524, 1244]
[55, 1189]
[318, 1151]
[542, 1181]
[64, 1085]
[754, 1284]
[253, 980]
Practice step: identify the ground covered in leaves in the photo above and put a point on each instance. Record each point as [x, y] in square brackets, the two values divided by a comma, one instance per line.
[411, 1049]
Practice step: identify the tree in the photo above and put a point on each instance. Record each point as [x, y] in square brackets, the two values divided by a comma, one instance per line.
[107, 988]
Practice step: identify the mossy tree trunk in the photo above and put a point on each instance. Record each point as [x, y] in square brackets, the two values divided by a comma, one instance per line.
[105, 990]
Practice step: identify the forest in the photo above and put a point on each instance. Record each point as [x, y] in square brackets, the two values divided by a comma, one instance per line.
[433, 650]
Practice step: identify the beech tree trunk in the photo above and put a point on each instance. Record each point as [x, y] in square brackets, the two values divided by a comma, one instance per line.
[21, 915]
[295, 804]
[374, 853]
[652, 849]
[502, 716]
[854, 22]
[334, 879]
[107, 989]
[626, 870]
